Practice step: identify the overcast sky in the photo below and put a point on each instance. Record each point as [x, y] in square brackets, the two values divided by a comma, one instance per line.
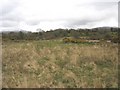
[52, 14]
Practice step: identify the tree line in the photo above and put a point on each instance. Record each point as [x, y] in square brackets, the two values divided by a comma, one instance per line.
[106, 33]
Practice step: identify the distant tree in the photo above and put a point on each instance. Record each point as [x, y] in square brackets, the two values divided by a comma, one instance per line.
[21, 35]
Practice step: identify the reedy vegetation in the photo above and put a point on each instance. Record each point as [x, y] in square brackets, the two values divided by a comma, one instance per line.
[52, 63]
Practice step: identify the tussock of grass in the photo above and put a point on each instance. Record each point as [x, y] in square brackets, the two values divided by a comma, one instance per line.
[56, 64]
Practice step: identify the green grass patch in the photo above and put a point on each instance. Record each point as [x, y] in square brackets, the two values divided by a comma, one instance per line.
[43, 60]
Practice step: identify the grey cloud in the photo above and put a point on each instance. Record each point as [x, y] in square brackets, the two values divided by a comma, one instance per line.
[8, 24]
[12, 17]
[103, 11]
[83, 21]
[79, 22]
[119, 14]
[104, 5]
[33, 22]
[99, 5]
[10, 20]
[9, 14]
[8, 6]
[86, 22]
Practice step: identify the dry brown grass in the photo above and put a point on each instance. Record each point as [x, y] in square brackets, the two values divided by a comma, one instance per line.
[55, 64]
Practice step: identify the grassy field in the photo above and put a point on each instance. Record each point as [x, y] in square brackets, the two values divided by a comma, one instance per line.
[55, 64]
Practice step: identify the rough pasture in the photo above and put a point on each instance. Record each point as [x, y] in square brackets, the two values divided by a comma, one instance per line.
[54, 64]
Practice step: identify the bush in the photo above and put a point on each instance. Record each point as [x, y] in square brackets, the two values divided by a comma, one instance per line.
[73, 40]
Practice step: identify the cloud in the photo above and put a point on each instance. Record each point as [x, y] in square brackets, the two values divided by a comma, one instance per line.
[8, 24]
[7, 6]
[104, 5]
[14, 16]
[10, 16]
[119, 14]
[51, 14]
[33, 22]
[94, 14]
